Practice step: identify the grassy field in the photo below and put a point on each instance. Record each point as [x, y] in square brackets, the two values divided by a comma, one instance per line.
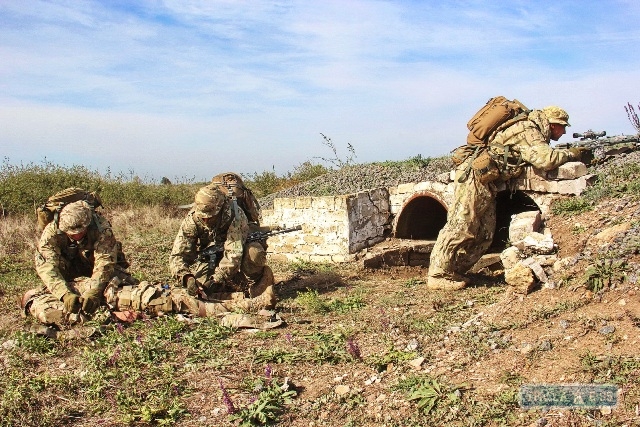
[359, 348]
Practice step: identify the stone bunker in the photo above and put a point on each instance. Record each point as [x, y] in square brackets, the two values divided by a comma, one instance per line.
[403, 220]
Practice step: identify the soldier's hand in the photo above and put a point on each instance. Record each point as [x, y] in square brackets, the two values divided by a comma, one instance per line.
[71, 302]
[193, 286]
[578, 152]
[91, 300]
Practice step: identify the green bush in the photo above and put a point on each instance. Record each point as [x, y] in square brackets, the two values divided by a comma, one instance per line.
[23, 187]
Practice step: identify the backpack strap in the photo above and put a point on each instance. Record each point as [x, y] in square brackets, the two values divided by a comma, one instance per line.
[467, 169]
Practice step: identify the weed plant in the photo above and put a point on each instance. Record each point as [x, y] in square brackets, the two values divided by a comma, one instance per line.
[614, 180]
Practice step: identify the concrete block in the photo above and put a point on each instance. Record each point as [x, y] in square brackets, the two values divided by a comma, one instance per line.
[303, 202]
[406, 188]
[529, 172]
[523, 224]
[570, 170]
[574, 186]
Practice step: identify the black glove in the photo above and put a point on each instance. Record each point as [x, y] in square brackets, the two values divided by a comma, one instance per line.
[71, 302]
[91, 300]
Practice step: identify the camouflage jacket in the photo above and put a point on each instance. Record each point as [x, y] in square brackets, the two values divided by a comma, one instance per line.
[528, 141]
[229, 231]
[57, 255]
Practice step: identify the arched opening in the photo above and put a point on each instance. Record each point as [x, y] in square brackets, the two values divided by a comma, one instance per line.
[421, 218]
[507, 205]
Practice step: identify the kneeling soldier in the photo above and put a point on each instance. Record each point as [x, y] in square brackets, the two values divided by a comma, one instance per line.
[211, 254]
[77, 256]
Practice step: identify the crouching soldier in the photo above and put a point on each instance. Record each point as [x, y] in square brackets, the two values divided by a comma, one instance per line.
[77, 256]
[211, 254]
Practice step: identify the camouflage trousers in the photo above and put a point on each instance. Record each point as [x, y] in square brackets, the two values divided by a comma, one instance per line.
[48, 309]
[254, 259]
[153, 300]
[470, 227]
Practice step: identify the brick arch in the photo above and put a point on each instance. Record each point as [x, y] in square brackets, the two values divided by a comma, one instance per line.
[421, 217]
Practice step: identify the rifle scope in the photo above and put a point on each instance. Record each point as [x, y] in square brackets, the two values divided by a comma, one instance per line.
[589, 134]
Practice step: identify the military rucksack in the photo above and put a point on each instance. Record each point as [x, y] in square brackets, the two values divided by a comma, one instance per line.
[231, 184]
[496, 115]
[49, 210]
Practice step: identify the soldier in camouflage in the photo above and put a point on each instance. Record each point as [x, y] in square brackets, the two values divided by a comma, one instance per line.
[217, 226]
[471, 220]
[76, 257]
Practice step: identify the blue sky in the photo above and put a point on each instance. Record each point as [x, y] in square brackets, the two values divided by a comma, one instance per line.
[190, 88]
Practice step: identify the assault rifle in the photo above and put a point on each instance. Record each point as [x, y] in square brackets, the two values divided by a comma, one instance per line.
[258, 236]
[603, 147]
[212, 255]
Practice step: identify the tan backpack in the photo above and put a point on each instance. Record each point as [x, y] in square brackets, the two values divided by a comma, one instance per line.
[498, 113]
[231, 184]
[49, 210]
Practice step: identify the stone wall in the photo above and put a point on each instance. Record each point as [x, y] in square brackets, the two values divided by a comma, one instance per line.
[333, 227]
[401, 194]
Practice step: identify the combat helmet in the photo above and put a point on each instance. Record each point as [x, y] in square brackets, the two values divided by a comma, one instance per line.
[231, 184]
[556, 114]
[209, 201]
[75, 217]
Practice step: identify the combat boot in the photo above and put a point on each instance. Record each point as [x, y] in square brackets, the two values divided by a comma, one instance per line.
[267, 299]
[266, 280]
[444, 283]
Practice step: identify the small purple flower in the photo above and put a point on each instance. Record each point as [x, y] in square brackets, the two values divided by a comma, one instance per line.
[120, 328]
[288, 337]
[267, 372]
[226, 399]
[139, 338]
[112, 360]
[353, 349]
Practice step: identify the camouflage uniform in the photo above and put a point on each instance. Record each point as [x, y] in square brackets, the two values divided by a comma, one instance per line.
[471, 220]
[68, 266]
[228, 231]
